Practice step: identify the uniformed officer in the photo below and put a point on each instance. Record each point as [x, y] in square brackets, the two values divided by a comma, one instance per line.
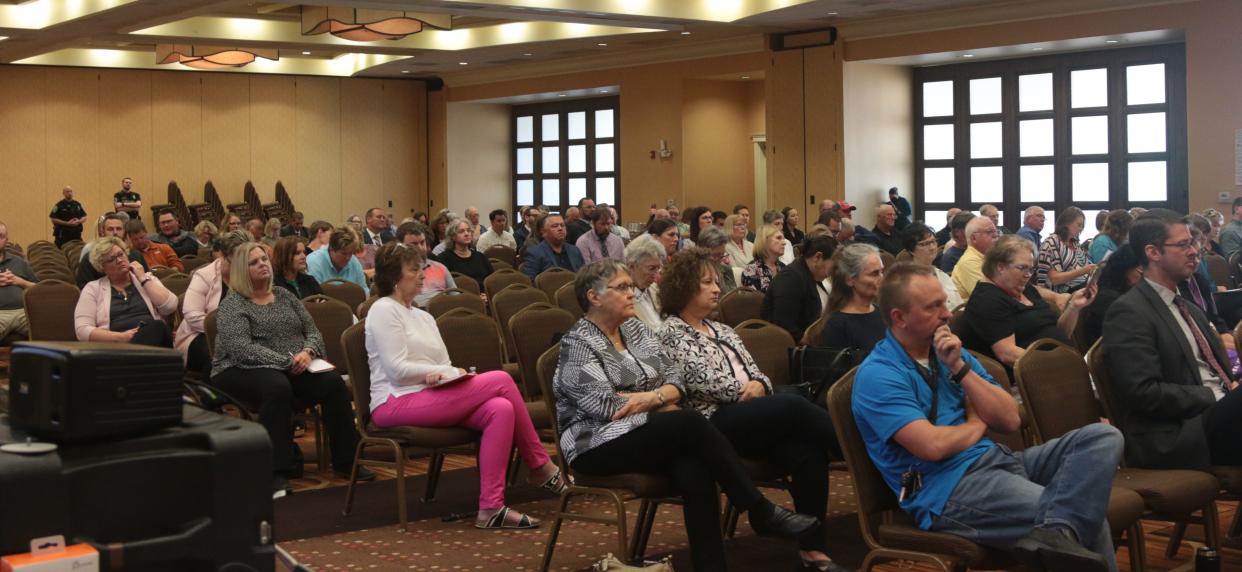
[67, 218]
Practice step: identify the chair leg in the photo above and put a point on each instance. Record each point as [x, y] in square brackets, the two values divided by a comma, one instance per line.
[731, 525]
[555, 531]
[623, 543]
[433, 475]
[1235, 529]
[399, 460]
[1175, 540]
[1137, 546]
[321, 449]
[642, 530]
[1211, 526]
[349, 491]
[514, 464]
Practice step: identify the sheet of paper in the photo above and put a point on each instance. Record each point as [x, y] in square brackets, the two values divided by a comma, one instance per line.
[319, 366]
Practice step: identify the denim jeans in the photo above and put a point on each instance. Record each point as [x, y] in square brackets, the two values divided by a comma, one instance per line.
[1064, 482]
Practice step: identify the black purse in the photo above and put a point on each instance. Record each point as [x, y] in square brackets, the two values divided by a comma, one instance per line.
[813, 370]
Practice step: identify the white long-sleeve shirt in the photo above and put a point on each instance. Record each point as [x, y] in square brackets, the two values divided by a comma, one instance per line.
[403, 348]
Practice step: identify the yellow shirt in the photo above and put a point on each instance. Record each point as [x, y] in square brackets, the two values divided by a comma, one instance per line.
[968, 272]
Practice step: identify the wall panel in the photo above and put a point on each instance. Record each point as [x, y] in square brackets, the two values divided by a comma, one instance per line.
[226, 139]
[317, 140]
[362, 146]
[404, 149]
[786, 130]
[273, 141]
[73, 147]
[125, 125]
[176, 134]
[825, 175]
[23, 142]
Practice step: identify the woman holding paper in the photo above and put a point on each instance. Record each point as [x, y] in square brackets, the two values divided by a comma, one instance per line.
[264, 349]
[413, 383]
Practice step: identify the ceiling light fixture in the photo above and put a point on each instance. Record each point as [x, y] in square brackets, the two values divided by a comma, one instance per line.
[528, 54]
[968, 55]
[365, 25]
[405, 71]
[745, 77]
[463, 63]
[832, 13]
[210, 57]
[1037, 49]
[306, 53]
[601, 44]
[1110, 41]
[685, 33]
[560, 95]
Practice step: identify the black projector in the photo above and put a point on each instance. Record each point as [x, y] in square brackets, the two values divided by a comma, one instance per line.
[79, 391]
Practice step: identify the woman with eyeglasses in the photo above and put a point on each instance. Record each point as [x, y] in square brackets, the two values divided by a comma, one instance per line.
[921, 243]
[1005, 313]
[740, 250]
[1063, 265]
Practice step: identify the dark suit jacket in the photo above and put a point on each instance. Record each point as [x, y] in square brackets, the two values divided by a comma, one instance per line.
[288, 230]
[792, 300]
[540, 257]
[386, 236]
[1155, 381]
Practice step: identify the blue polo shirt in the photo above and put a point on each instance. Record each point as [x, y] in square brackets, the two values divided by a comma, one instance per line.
[889, 394]
[319, 265]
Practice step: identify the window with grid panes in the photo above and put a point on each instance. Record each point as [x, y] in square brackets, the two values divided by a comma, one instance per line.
[1097, 130]
[565, 151]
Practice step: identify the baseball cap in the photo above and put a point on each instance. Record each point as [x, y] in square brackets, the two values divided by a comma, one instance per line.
[846, 207]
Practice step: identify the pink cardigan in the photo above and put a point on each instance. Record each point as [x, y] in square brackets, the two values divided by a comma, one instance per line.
[201, 297]
[95, 307]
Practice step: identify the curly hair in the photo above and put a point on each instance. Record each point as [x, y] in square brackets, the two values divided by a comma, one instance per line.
[680, 281]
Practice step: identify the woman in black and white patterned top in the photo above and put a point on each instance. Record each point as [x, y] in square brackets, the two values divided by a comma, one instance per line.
[264, 345]
[616, 407]
[724, 384]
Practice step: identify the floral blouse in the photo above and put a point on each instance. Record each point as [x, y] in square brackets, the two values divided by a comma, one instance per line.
[704, 363]
[757, 275]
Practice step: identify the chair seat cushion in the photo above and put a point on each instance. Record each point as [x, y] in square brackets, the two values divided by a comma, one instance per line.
[976, 556]
[641, 484]
[430, 437]
[1125, 507]
[539, 414]
[1230, 479]
[1173, 493]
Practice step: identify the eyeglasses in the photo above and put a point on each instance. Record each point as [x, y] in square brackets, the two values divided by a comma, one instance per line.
[929, 242]
[992, 232]
[1183, 245]
[625, 288]
[1026, 269]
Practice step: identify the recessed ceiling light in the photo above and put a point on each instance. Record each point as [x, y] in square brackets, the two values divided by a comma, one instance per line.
[1110, 41]
[685, 33]
[463, 63]
[1037, 49]
[968, 55]
[601, 44]
[832, 13]
[306, 53]
[528, 54]
[745, 77]
[603, 91]
[405, 71]
[560, 95]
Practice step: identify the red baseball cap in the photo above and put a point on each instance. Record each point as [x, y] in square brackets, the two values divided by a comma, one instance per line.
[846, 207]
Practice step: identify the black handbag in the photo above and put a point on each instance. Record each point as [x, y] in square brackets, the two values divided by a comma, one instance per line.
[812, 370]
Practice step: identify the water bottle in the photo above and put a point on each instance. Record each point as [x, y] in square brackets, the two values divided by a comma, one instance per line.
[1207, 560]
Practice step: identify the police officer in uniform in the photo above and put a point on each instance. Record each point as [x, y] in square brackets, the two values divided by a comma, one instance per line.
[128, 201]
[67, 218]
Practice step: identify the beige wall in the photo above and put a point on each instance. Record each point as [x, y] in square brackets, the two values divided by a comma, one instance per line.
[879, 147]
[717, 125]
[339, 145]
[1213, 69]
[479, 167]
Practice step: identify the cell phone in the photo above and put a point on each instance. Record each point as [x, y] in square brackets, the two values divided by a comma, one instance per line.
[1095, 274]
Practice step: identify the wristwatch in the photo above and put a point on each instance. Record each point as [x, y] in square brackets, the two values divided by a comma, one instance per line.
[961, 373]
[659, 396]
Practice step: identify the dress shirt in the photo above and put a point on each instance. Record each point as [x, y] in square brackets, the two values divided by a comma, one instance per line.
[1209, 377]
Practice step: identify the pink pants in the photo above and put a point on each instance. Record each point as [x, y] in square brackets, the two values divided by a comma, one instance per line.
[489, 402]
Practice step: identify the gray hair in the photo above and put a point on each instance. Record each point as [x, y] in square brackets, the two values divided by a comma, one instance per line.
[712, 236]
[595, 277]
[451, 229]
[771, 216]
[641, 248]
[849, 260]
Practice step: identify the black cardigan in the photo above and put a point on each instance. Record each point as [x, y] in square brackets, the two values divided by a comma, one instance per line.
[792, 301]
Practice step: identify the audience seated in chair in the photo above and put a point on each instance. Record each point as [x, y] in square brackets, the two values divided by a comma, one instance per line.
[113, 224]
[498, 233]
[208, 285]
[459, 253]
[552, 251]
[338, 260]
[1047, 503]
[289, 268]
[854, 322]
[616, 395]
[1118, 275]
[1006, 312]
[264, 349]
[920, 242]
[1063, 265]
[644, 260]
[724, 384]
[127, 305]
[797, 296]
[740, 249]
[154, 253]
[956, 248]
[295, 227]
[981, 234]
[765, 262]
[1176, 396]
[15, 277]
[413, 383]
[713, 239]
[170, 234]
[436, 277]
[599, 242]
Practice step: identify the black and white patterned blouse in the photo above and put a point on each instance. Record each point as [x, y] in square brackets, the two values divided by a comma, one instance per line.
[254, 336]
[704, 362]
[757, 275]
[590, 374]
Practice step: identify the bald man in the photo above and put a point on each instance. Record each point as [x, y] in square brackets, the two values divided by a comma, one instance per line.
[1032, 225]
[945, 234]
[885, 233]
[67, 217]
[993, 213]
[981, 234]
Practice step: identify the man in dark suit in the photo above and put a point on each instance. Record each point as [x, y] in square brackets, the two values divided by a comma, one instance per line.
[553, 250]
[1170, 374]
[295, 227]
[376, 231]
[797, 295]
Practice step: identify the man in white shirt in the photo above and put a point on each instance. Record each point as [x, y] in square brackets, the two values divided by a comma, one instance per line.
[498, 234]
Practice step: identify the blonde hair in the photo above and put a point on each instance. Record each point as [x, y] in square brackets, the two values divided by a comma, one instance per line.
[102, 247]
[762, 235]
[239, 269]
[272, 228]
[206, 227]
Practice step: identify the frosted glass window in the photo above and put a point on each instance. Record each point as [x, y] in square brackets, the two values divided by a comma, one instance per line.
[551, 160]
[526, 192]
[525, 161]
[551, 192]
[938, 185]
[1035, 92]
[577, 125]
[577, 190]
[1089, 135]
[1148, 181]
[1088, 226]
[985, 140]
[985, 95]
[1037, 183]
[604, 161]
[603, 123]
[606, 190]
[577, 158]
[987, 184]
[1145, 133]
[1089, 88]
[525, 129]
[935, 219]
[1035, 138]
[937, 98]
[1090, 182]
[937, 142]
[551, 127]
[1145, 84]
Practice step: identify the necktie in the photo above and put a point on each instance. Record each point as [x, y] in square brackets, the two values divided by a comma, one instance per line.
[603, 244]
[1204, 348]
[1195, 293]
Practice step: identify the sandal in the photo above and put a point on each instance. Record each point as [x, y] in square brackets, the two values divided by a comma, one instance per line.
[557, 483]
[500, 521]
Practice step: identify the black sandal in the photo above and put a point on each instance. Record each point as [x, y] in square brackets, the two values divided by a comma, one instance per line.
[556, 484]
[499, 521]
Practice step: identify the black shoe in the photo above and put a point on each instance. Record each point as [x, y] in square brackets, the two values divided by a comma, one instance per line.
[365, 475]
[280, 487]
[1055, 549]
[824, 566]
[783, 523]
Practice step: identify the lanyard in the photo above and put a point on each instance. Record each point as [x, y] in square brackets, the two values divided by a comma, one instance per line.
[932, 381]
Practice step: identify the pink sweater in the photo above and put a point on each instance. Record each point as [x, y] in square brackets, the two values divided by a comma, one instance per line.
[94, 307]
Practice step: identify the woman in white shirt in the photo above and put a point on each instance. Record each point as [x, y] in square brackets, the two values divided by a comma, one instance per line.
[739, 249]
[413, 383]
[921, 243]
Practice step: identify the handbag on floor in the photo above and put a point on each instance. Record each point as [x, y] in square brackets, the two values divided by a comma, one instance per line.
[812, 370]
[612, 564]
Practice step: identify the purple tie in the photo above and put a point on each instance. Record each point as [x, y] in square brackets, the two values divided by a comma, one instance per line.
[1206, 349]
[1194, 291]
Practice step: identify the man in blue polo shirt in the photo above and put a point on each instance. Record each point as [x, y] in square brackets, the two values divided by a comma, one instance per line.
[338, 260]
[922, 406]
